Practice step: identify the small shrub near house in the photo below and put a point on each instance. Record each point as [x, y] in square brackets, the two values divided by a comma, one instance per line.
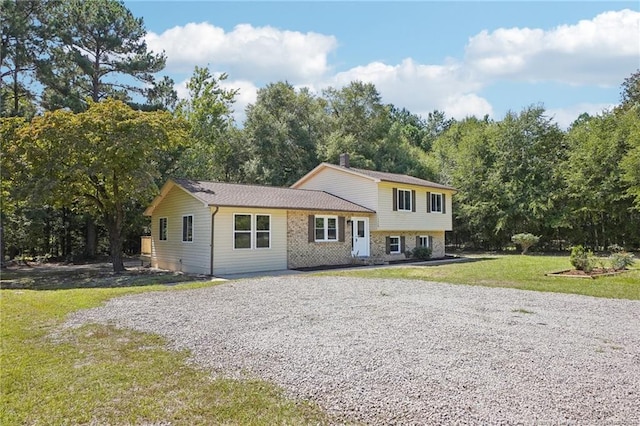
[619, 258]
[423, 253]
[581, 259]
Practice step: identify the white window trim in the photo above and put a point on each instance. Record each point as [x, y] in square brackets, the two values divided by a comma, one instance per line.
[399, 248]
[256, 230]
[410, 209]
[326, 229]
[166, 234]
[426, 237]
[193, 234]
[252, 231]
[431, 202]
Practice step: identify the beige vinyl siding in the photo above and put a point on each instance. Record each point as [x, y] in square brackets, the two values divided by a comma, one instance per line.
[227, 260]
[174, 254]
[357, 189]
[419, 220]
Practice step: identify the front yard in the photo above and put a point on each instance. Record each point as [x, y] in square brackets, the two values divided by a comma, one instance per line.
[514, 271]
[102, 375]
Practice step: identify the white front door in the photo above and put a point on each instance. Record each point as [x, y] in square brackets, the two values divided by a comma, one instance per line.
[360, 236]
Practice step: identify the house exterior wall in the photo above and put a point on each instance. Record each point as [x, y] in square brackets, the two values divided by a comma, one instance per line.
[301, 253]
[228, 260]
[420, 220]
[357, 189]
[378, 243]
[174, 254]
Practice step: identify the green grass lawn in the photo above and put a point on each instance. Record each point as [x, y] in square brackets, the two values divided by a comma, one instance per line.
[514, 271]
[102, 375]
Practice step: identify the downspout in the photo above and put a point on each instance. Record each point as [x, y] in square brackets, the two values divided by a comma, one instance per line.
[212, 225]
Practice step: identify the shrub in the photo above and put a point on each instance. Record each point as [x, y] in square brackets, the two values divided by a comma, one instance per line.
[525, 241]
[620, 260]
[423, 253]
[581, 259]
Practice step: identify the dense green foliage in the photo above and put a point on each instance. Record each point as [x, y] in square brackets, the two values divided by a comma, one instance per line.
[521, 173]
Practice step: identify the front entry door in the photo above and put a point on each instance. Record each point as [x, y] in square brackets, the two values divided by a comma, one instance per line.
[360, 236]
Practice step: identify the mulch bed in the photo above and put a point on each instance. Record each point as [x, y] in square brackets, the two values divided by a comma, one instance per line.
[596, 273]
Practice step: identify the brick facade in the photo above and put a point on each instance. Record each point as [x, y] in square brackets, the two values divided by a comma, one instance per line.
[301, 253]
[378, 243]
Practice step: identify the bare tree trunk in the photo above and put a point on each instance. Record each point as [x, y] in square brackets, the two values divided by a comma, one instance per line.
[115, 245]
[91, 240]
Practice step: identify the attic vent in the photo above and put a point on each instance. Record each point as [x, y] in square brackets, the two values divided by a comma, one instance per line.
[344, 160]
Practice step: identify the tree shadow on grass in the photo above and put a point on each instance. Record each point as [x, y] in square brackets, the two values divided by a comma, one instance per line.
[99, 275]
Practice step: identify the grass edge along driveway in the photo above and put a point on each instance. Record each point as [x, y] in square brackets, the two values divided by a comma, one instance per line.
[513, 271]
[103, 375]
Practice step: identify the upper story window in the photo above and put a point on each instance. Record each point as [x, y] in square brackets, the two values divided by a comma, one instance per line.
[326, 228]
[404, 200]
[436, 202]
[187, 228]
[163, 229]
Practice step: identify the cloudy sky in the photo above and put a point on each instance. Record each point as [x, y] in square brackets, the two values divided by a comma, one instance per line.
[465, 58]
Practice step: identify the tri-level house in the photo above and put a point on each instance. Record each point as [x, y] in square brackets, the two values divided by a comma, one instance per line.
[333, 214]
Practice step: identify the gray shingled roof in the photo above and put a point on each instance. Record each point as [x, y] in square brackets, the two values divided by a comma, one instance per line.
[240, 195]
[394, 177]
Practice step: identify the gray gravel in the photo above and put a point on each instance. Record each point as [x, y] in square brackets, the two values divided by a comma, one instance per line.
[408, 352]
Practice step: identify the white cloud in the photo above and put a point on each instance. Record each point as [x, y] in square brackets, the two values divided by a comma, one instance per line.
[565, 116]
[257, 53]
[421, 88]
[601, 51]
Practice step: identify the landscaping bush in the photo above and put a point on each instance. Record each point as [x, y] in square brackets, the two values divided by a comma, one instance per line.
[525, 241]
[423, 253]
[620, 260]
[581, 259]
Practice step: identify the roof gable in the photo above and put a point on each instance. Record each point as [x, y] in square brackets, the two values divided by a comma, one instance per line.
[256, 196]
[374, 176]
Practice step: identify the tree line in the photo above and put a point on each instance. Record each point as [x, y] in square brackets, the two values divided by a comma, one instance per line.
[89, 132]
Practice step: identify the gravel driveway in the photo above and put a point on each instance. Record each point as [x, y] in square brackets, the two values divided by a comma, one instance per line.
[408, 352]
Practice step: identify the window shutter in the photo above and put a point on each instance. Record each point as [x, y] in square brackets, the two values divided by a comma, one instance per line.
[428, 202]
[312, 228]
[387, 243]
[402, 245]
[418, 241]
[444, 203]
[430, 242]
[413, 200]
[395, 199]
[341, 229]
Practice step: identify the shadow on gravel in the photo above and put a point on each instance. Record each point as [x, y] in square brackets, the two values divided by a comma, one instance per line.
[97, 275]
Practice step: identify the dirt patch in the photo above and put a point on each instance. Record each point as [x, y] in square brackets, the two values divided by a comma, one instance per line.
[55, 276]
[596, 273]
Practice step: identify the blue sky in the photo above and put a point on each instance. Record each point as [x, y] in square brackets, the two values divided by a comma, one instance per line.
[466, 58]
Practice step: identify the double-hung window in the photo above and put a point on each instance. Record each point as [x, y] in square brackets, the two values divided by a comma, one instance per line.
[394, 245]
[251, 231]
[424, 241]
[326, 228]
[404, 200]
[163, 228]
[187, 228]
[436, 202]
[263, 231]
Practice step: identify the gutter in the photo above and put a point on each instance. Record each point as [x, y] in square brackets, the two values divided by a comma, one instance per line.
[212, 227]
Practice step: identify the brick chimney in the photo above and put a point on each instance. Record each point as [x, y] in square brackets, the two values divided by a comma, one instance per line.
[344, 160]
